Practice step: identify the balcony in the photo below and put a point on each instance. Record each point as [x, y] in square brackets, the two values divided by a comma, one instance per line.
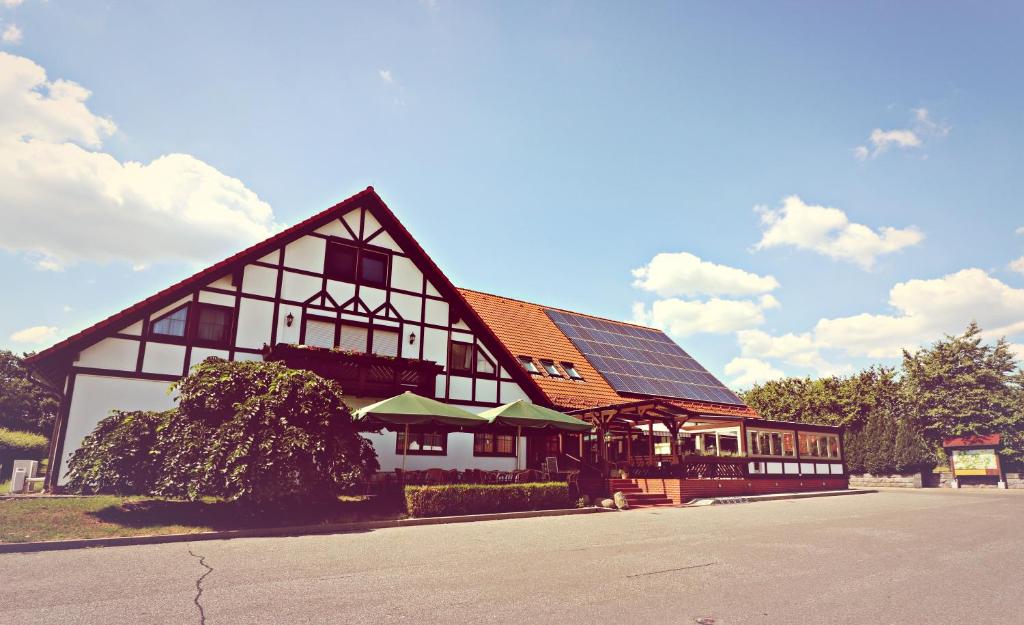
[360, 374]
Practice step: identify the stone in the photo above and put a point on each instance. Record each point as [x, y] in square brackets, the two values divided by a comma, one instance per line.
[607, 503]
[620, 500]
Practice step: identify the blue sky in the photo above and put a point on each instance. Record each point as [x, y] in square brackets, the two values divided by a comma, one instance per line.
[538, 150]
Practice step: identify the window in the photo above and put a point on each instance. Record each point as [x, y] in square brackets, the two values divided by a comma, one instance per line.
[819, 445]
[173, 323]
[527, 363]
[210, 325]
[373, 268]
[320, 333]
[489, 444]
[340, 262]
[423, 443]
[550, 367]
[570, 370]
[354, 338]
[762, 443]
[461, 358]
[484, 365]
[385, 342]
[213, 325]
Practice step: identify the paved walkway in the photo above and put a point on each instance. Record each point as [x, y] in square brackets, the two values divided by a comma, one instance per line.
[928, 557]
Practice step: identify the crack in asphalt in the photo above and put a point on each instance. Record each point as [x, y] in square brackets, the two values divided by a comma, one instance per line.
[681, 568]
[199, 585]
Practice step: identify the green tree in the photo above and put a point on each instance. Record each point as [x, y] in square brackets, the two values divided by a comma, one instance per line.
[25, 404]
[960, 386]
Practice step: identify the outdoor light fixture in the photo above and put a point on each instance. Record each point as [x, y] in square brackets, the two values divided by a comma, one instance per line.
[289, 320]
[412, 338]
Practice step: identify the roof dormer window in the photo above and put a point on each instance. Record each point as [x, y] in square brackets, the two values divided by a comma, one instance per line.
[552, 370]
[527, 363]
[570, 370]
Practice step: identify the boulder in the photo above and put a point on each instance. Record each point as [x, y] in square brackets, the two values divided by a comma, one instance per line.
[608, 503]
[620, 500]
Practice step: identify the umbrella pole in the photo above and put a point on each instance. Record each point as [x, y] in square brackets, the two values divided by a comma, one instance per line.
[405, 450]
[519, 433]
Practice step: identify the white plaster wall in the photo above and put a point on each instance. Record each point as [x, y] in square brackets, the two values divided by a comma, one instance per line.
[220, 299]
[460, 388]
[271, 258]
[134, 329]
[298, 287]
[405, 275]
[373, 298]
[408, 306]
[341, 291]
[352, 219]
[486, 390]
[306, 253]
[435, 346]
[255, 320]
[384, 240]
[510, 392]
[259, 280]
[333, 229]
[223, 283]
[284, 333]
[199, 354]
[437, 312]
[96, 396]
[110, 353]
[164, 358]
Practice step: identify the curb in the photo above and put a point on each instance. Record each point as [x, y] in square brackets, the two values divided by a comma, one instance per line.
[297, 530]
[778, 497]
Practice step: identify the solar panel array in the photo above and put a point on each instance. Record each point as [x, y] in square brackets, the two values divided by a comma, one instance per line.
[640, 360]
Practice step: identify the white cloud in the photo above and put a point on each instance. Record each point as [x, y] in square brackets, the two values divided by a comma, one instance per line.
[1018, 265]
[923, 126]
[746, 372]
[924, 311]
[36, 335]
[829, 231]
[1018, 350]
[683, 273]
[385, 75]
[714, 316]
[12, 35]
[1020, 230]
[10, 4]
[65, 203]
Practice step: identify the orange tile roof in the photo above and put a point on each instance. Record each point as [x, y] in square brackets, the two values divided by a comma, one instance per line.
[526, 330]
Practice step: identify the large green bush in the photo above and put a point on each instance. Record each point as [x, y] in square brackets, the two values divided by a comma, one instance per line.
[118, 456]
[453, 499]
[16, 445]
[253, 431]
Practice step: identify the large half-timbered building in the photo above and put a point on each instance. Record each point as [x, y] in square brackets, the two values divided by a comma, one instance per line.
[350, 292]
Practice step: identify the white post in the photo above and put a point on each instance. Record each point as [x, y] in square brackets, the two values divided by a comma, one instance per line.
[718, 444]
[519, 432]
[405, 450]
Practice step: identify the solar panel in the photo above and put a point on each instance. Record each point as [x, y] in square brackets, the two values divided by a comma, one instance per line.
[639, 360]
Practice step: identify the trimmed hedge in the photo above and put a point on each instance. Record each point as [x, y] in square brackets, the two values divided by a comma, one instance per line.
[16, 445]
[454, 499]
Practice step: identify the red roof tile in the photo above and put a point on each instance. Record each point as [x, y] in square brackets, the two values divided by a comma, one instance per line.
[526, 330]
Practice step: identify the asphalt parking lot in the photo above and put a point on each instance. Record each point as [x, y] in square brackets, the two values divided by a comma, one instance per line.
[892, 557]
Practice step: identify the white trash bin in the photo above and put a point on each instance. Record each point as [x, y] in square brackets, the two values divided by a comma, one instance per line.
[18, 479]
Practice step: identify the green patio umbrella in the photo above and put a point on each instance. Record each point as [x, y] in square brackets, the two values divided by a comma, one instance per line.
[412, 409]
[525, 414]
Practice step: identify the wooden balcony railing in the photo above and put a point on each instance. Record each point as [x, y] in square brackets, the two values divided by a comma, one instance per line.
[362, 375]
[694, 468]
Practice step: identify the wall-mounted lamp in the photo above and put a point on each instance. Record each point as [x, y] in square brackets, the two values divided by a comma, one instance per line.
[412, 338]
[289, 320]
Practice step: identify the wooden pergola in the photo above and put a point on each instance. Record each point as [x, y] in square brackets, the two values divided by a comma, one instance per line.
[624, 419]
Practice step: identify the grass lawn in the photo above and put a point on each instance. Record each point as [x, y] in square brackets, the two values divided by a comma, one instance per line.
[104, 516]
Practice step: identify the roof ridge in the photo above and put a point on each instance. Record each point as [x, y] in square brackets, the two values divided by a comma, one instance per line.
[565, 310]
